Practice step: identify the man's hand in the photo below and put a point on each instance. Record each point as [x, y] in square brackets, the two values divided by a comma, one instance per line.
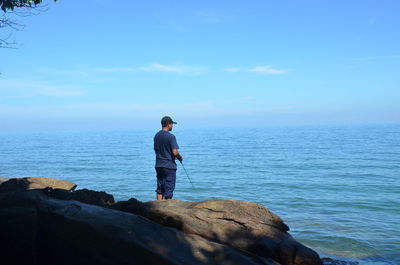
[177, 154]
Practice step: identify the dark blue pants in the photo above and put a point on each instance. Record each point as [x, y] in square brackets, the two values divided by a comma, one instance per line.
[166, 179]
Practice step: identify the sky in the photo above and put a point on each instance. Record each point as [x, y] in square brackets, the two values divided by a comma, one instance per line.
[99, 64]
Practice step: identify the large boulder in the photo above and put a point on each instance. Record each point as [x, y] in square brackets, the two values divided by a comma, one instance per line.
[29, 183]
[38, 229]
[44, 221]
[247, 226]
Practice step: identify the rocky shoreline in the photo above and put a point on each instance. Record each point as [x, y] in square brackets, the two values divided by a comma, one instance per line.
[47, 221]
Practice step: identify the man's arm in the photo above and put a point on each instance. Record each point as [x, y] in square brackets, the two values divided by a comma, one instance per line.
[177, 154]
[175, 147]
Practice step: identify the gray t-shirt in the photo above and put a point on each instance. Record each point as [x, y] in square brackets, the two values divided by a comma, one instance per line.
[164, 142]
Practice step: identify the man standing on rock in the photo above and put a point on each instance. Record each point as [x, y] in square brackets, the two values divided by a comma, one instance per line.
[166, 149]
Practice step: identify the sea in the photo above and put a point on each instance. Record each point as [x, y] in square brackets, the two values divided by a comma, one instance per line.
[336, 187]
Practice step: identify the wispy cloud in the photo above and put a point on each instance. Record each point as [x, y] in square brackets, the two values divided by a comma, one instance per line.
[178, 69]
[32, 88]
[232, 69]
[212, 16]
[175, 26]
[156, 67]
[372, 58]
[76, 71]
[58, 91]
[267, 70]
[116, 70]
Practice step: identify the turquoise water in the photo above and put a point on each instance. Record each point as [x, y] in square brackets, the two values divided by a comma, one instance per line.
[337, 187]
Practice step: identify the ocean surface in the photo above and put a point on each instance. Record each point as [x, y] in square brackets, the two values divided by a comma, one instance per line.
[337, 187]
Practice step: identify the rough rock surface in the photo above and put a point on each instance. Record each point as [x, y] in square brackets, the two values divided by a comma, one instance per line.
[29, 183]
[56, 225]
[37, 229]
[243, 225]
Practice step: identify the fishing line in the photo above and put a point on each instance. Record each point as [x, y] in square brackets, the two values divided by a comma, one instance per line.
[187, 175]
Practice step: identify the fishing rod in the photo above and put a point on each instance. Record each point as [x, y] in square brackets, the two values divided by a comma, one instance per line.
[187, 174]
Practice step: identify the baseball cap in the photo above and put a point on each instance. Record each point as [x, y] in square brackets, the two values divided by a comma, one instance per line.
[167, 120]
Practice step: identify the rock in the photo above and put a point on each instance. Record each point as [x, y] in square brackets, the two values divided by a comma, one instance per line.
[44, 221]
[38, 229]
[247, 226]
[93, 197]
[3, 179]
[99, 198]
[58, 193]
[28, 183]
[18, 231]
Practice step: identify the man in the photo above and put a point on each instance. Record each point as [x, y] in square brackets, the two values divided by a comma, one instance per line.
[166, 149]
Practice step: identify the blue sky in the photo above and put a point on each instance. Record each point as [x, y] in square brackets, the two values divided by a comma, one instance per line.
[95, 64]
